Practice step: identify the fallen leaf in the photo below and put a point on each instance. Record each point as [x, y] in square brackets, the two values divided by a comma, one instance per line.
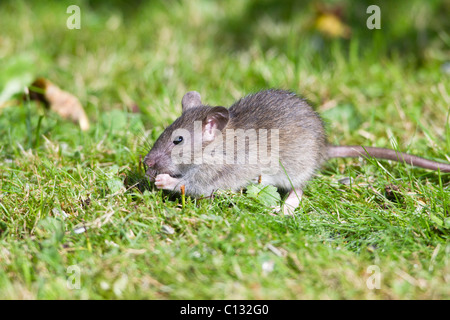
[266, 195]
[62, 102]
[330, 21]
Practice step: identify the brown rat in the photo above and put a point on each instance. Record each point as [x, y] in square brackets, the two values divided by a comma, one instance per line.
[273, 136]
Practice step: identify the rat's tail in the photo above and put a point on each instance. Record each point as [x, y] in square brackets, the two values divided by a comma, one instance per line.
[387, 154]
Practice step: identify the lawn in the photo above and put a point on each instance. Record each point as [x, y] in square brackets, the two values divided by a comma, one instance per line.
[78, 220]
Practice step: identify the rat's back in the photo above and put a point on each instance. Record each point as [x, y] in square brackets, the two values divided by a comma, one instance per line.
[274, 109]
[301, 136]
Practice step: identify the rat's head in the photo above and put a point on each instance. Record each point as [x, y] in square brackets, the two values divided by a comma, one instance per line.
[178, 147]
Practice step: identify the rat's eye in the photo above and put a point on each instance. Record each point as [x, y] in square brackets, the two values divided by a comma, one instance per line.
[178, 140]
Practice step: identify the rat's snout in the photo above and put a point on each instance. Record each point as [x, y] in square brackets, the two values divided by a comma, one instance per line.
[150, 172]
[150, 162]
[155, 162]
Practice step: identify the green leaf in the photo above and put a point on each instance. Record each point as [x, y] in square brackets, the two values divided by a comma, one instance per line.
[114, 185]
[266, 195]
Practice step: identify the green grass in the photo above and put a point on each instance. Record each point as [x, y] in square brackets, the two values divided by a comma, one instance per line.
[383, 88]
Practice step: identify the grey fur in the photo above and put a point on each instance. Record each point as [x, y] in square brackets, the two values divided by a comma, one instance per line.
[303, 146]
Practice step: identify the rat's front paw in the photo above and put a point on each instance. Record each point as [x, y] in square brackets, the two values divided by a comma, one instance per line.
[164, 181]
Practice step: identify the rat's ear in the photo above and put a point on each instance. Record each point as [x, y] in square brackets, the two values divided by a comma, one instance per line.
[216, 119]
[191, 99]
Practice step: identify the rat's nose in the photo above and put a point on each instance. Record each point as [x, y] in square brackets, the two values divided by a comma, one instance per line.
[149, 162]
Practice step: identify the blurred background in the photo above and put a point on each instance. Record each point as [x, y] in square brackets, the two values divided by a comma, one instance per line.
[142, 56]
[128, 67]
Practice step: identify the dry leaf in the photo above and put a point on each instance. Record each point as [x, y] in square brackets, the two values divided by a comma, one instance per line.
[62, 102]
[330, 21]
[332, 26]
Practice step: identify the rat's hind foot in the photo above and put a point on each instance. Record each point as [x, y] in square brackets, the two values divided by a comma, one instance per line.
[292, 202]
[164, 181]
